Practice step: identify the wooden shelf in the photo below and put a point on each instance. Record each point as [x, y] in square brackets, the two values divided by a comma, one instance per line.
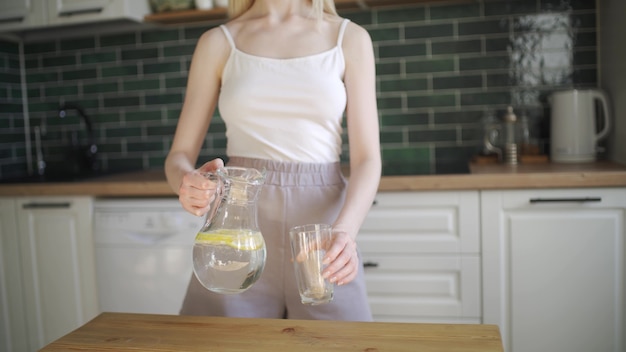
[187, 16]
[217, 14]
[368, 4]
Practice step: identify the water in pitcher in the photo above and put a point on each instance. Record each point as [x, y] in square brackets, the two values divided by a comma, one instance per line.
[228, 261]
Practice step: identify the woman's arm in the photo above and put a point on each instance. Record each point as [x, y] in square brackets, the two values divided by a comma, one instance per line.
[203, 86]
[365, 159]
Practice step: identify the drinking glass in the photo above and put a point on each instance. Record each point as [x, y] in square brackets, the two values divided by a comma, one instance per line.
[308, 247]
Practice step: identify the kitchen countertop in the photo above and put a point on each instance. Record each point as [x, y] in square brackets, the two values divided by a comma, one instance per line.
[523, 176]
[146, 332]
[481, 177]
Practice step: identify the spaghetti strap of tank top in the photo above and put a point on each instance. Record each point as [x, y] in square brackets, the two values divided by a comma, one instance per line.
[229, 37]
[342, 30]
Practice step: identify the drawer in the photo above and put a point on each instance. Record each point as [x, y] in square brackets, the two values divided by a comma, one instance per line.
[566, 198]
[423, 288]
[422, 222]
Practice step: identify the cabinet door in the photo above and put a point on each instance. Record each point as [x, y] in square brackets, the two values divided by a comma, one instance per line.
[421, 256]
[57, 256]
[423, 289]
[12, 321]
[21, 14]
[84, 11]
[553, 268]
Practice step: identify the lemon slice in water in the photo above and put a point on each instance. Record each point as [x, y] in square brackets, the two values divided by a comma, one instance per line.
[244, 241]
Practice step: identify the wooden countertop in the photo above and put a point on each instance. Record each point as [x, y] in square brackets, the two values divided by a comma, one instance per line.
[150, 183]
[144, 332]
[501, 176]
[490, 176]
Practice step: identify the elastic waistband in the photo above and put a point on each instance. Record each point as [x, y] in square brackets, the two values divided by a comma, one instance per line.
[283, 173]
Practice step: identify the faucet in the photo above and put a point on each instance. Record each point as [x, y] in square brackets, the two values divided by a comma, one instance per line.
[87, 156]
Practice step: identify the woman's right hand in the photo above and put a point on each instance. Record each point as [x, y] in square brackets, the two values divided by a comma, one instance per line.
[196, 191]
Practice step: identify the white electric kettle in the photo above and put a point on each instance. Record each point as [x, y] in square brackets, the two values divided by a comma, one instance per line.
[574, 126]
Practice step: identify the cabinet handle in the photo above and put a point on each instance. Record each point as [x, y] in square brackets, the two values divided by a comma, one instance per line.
[566, 200]
[46, 205]
[370, 265]
[67, 13]
[12, 19]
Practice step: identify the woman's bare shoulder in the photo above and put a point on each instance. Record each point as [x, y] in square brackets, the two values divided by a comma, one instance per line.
[213, 44]
[213, 37]
[355, 33]
[212, 50]
[356, 40]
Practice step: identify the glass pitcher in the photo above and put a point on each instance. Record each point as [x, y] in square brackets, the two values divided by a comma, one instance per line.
[229, 251]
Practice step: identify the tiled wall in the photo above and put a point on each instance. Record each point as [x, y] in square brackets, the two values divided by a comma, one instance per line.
[12, 136]
[442, 67]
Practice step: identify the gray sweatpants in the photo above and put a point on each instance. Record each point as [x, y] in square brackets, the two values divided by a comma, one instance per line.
[293, 194]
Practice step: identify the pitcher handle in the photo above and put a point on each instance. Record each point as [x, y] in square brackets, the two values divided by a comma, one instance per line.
[217, 198]
[601, 96]
[487, 141]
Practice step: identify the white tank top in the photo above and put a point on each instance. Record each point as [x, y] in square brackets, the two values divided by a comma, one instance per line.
[284, 109]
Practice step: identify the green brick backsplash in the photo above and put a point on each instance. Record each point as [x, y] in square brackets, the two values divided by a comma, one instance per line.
[441, 68]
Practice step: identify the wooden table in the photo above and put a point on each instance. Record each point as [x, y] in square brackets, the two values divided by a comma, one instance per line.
[147, 332]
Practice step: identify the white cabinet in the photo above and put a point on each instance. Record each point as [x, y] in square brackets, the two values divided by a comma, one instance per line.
[18, 15]
[421, 253]
[553, 268]
[12, 316]
[21, 14]
[54, 260]
[84, 11]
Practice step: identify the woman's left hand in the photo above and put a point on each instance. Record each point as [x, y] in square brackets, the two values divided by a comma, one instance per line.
[342, 259]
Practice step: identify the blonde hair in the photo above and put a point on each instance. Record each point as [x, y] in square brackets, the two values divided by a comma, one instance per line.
[238, 7]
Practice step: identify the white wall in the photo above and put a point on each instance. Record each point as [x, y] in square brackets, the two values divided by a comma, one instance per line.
[612, 19]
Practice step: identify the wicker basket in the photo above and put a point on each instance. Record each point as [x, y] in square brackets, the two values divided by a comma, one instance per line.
[158, 6]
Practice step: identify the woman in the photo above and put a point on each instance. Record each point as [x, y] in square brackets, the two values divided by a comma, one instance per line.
[283, 73]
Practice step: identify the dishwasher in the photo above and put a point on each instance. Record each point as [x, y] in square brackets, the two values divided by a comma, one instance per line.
[143, 254]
